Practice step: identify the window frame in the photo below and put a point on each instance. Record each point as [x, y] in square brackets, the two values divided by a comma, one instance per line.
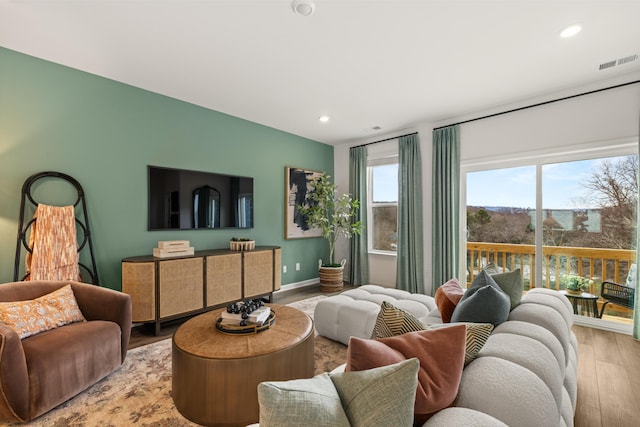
[373, 161]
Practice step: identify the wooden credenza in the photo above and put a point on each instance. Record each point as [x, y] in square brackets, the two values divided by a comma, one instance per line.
[164, 289]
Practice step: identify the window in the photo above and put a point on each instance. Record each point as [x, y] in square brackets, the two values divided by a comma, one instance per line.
[383, 204]
[558, 219]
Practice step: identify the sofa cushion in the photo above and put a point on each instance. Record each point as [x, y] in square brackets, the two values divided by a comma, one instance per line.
[441, 355]
[447, 297]
[511, 283]
[507, 391]
[342, 399]
[463, 417]
[47, 312]
[483, 302]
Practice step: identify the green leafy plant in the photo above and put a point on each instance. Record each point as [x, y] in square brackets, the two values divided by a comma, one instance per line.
[571, 282]
[331, 213]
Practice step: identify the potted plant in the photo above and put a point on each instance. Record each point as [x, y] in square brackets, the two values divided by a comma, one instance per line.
[333, 214]
[575, 284]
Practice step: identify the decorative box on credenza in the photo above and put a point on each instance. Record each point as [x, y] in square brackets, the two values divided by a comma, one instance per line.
[164, 289]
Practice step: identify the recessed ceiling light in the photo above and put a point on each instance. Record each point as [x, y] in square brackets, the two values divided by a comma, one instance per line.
[570, 31]
[303, 7]
[324, 119]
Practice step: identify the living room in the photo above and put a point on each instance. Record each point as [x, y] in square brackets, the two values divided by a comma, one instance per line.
[105, 131]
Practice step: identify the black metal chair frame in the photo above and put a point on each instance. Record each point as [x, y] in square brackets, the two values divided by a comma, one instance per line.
[83, 224]
[614, 293]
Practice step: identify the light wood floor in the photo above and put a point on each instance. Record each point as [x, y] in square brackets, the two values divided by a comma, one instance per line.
[608, 379]
[608, 369]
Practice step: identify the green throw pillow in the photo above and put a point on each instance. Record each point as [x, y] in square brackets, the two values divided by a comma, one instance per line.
[379, 396]
[511, 284]
[484, 302]
[356, 399]
[313, 402]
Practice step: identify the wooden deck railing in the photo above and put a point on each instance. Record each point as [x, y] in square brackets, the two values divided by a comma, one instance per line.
[593, 263]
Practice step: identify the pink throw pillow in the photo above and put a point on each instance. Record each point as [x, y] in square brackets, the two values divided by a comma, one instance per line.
[441, 353]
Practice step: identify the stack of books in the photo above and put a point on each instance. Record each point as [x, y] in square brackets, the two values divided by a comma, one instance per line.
[173, 248]
[256, 317]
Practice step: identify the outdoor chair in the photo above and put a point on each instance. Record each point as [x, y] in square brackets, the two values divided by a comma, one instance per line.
[615, 293]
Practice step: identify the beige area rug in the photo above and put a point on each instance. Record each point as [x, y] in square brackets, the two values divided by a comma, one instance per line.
[139, 392]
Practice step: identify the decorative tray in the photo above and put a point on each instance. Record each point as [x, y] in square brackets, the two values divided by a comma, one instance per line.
[249, 329]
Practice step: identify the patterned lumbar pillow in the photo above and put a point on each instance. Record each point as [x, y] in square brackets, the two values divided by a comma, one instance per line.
[41, 314]
[392, 321]
[477, 336]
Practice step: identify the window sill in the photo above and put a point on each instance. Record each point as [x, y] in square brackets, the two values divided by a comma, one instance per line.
[383, 253]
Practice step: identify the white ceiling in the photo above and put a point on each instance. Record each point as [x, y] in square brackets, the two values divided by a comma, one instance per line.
[388, 63]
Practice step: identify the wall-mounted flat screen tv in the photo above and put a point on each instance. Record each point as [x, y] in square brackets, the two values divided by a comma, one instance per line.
[184, 200]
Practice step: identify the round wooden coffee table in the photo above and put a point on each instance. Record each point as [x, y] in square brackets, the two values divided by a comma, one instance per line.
[215, 376]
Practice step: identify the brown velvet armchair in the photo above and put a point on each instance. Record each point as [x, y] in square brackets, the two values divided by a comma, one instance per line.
[44, 370]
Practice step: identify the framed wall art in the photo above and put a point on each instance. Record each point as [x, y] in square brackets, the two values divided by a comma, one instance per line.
[296, 193]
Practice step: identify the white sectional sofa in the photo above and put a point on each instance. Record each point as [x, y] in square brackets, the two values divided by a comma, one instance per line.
[525, 375]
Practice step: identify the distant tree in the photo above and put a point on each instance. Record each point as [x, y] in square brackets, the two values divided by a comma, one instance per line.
[614, 188]
[503, 226]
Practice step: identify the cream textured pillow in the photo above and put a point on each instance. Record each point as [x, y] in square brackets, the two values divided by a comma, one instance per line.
[41, 314]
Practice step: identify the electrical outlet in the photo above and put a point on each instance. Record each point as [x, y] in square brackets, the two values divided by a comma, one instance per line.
[284, 268]
[297, 266]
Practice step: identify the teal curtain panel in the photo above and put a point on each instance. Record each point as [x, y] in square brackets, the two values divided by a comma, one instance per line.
[359, 271]
[410, 256]
[446, 205]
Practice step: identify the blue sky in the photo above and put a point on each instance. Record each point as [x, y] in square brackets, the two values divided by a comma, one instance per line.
[562, 186]
[385, 183]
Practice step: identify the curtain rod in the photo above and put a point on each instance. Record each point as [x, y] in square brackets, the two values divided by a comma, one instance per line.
[538, 104]
[383, 140]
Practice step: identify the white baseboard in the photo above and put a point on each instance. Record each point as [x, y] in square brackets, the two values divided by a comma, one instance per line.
[298, 285]
[620, 328]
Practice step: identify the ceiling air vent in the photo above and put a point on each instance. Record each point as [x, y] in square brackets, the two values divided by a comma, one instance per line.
[628, 59]
[607, 65]
[617, 62]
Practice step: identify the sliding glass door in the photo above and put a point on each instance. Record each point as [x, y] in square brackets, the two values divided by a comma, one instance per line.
[566, 224]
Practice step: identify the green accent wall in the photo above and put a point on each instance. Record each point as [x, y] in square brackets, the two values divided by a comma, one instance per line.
[104, 134]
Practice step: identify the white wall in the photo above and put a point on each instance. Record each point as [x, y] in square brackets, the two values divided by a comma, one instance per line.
[586, 121]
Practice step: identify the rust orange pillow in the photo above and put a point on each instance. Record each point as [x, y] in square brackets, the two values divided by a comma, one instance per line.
[441, 353]
[447, 298]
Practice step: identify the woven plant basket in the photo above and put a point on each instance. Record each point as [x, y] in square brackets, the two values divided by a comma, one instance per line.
[331, 278]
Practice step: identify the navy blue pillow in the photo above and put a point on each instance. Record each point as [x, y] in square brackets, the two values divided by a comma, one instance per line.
[483, 302]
